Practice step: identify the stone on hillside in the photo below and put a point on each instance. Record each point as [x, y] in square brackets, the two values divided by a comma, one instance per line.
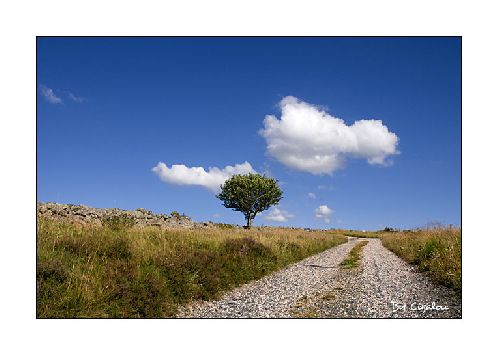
[88, 215]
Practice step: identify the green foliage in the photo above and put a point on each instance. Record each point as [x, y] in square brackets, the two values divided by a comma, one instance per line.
[430, 249]
[176, 214]
[250, 194]
[118, 222]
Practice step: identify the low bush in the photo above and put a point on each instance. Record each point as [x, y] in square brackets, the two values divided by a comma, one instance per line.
[224, 225]
[177, 215]
[118, 222]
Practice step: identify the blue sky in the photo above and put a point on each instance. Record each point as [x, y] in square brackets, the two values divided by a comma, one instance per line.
[110, 109]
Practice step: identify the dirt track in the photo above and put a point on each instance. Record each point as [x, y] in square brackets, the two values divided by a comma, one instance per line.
[384, 286]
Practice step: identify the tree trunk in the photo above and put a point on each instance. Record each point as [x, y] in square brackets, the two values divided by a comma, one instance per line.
[249, 221]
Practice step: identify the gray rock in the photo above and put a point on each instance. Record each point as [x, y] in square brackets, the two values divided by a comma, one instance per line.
[89, 215]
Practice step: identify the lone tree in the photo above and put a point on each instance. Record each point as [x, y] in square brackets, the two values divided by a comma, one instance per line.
[250, 194]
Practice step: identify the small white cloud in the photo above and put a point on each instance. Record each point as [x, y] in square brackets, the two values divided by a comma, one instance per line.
[278, 215]
[49, 95]
[325, 187]
[323, 212]
[307, 138]
[216, 215]
[211, 179]
[75, 98]
[311, 195]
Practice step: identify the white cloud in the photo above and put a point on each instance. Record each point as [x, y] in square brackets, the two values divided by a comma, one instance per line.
[323, 212]
[278, 215]
[325, 187]
[311, 195]
[49, 95]
[75, 98]
[216, 215]
[211, 179]
[307, 138]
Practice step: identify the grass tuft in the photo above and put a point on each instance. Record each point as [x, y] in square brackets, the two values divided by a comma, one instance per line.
[352, 260]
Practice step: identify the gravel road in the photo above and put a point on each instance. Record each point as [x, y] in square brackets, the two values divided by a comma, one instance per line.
[383, 286]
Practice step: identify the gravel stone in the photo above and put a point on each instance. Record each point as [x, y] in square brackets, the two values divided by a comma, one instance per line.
[384, 286]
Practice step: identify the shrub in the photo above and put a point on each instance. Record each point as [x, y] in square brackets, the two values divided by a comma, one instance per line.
[224, 225]
[118, 222]
[177, 215]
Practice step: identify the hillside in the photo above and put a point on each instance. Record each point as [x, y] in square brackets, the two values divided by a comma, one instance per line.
[90, 265]
[96, 216]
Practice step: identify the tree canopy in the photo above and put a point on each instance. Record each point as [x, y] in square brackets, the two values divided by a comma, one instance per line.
[250, 194]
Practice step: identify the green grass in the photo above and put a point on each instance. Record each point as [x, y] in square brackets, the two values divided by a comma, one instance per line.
[115, 271]
[118, 222]
[437, 251]
[353, 259]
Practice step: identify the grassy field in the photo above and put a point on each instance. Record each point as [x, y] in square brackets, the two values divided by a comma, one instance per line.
[437, 251]
[86, 271]
[357, 234]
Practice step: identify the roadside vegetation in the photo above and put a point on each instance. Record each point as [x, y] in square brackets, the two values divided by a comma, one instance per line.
[354, 256]
[122, 271]
[437, 251]
[357, 234]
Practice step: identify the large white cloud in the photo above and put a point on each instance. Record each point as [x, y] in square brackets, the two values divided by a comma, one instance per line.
[307, 138]
[278, 215]
[324, 212]
[211, 179]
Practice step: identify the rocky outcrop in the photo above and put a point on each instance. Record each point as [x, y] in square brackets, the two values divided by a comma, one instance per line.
[89, 215]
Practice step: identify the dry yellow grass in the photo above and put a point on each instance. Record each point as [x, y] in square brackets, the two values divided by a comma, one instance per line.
[356, 233]
[85, 271]
[437, 251]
